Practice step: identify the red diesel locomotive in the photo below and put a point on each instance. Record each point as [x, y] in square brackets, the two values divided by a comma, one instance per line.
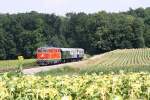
[52, 55]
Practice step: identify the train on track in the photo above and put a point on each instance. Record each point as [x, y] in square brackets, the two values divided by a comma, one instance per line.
[54, 55]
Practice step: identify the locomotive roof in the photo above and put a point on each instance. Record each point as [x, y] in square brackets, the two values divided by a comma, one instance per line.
[63, 49]
[49, 47]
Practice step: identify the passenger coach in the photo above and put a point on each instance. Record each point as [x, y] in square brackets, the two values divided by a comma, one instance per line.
[52, 55]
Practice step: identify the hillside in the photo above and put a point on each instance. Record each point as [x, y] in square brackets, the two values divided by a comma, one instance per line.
[118, 58]
[125, 59]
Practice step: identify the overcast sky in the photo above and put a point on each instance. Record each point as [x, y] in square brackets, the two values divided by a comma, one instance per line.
[61, 7]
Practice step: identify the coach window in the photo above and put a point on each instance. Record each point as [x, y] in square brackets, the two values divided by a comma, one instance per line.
[44, 50]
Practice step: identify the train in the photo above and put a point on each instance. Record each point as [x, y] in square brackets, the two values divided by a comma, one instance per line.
[54, 55]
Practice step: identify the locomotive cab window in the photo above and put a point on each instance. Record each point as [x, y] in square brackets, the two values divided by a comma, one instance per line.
[39, 50]
[44, 50]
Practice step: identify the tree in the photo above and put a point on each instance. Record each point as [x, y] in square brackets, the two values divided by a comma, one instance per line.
[138, 30]
[2, 44]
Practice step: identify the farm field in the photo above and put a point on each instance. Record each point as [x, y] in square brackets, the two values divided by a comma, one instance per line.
[98, 78]
[7, 65]
[131, 86]
[126, 58]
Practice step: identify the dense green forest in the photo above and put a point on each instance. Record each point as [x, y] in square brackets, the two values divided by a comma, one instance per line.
[21, 34]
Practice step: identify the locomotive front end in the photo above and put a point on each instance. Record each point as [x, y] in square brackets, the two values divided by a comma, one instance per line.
[48, 55]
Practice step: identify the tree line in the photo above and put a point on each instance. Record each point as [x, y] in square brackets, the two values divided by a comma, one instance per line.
[23, 33]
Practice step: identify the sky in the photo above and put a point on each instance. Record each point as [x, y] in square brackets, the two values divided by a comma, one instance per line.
[61, 7]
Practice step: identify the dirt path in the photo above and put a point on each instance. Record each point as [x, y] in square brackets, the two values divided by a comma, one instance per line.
[45, 68]
[80, 64]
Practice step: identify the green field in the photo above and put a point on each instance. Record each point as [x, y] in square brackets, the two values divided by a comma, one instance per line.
[128, 60]
[7, 65]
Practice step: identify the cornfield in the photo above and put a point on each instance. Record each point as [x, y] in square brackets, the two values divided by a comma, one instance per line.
[126, 58]
[131, 86]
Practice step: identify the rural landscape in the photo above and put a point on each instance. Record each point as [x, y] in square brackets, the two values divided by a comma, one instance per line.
[98, 55]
